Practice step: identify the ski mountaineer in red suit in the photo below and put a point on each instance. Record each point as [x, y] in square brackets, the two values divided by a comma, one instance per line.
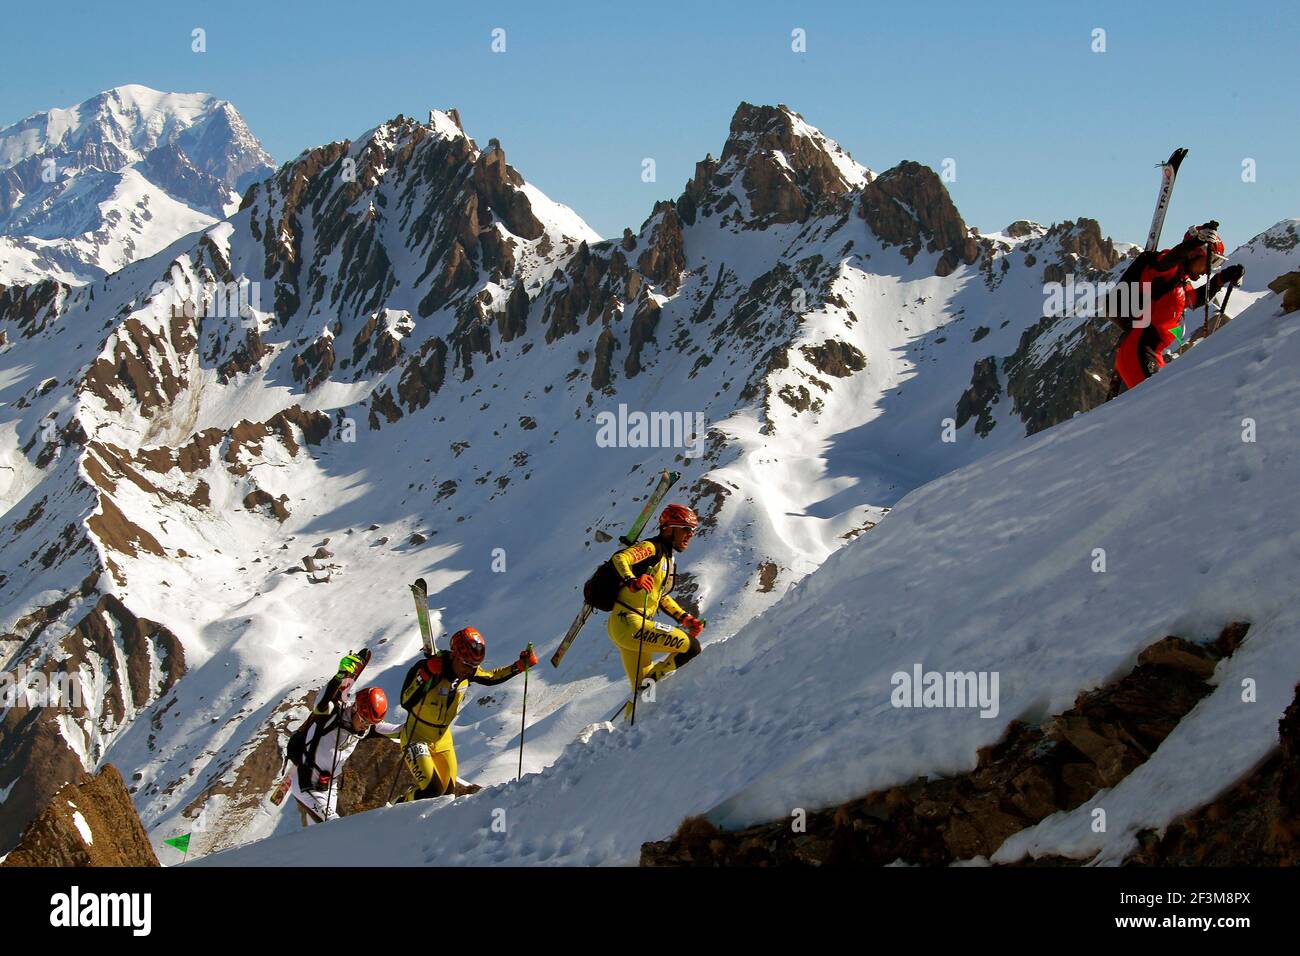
[1141, 350]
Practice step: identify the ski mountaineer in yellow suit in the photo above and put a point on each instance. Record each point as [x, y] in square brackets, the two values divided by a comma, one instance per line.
[432, 694]
[646, 570]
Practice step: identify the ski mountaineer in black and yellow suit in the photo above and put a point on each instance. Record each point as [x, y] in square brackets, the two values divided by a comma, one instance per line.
[646, 570]
[432, 694]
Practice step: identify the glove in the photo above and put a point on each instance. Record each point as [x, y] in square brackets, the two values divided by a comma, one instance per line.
[527, 658]
[430, 668]
[1233, 273]
[691, 625]
[644, 583]
[350, 664]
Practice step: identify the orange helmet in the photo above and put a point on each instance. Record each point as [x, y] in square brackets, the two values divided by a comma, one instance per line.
[678, 516]
[371, 705]
[468, 646]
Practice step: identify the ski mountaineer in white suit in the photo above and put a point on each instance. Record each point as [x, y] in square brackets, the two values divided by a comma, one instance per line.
[324, 743]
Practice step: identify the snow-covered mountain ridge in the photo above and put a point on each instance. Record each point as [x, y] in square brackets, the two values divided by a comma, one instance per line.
[417, 391]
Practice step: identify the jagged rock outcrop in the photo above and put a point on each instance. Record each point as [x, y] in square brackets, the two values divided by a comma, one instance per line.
[1081, 251]
[663, 259]
[909, 206]
[1033, 772]
[141, 660]
[1022, 228]
[89, 823]
[977, 401]
[787, 172]
[1054, 374]
[1288, 287]
[1256, 823]
[29, 307]
[644, 322]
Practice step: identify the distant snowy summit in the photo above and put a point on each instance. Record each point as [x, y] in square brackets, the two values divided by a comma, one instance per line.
[91, 188]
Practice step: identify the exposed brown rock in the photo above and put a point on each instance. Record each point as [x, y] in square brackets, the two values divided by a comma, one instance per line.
[664, 258]
[375, 774]
[601, 375]
[802, 181]
[100, 806]
[910, 206]
[34, 757]
[513, 322]
[983, 393]
[1080, 250]
[31, 307]
[834, 357]
[1288, 287]
[244, 778]
[1051, 385]
[644, 323]
[140, 366]
[1256, 823]
[1028, 775]
[424, 375]
[381, 402]
[263, 501]
[499, 185]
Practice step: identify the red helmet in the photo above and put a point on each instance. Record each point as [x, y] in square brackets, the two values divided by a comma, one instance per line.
[468, 646]
[1207, 234]
[678, 516]
[371, 705]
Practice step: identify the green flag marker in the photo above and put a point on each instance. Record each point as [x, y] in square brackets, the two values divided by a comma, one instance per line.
[181, 843]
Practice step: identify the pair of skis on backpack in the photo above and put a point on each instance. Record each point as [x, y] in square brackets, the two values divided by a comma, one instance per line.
[666, 480]
[626, 710]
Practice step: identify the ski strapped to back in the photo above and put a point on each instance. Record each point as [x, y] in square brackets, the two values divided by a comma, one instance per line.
[1128, 298]
[666, 480]
[570, 634]
[1168, 172]
[420, 591]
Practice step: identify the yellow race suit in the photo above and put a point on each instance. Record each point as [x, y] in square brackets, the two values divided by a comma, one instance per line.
[432, 695]
[631, 625]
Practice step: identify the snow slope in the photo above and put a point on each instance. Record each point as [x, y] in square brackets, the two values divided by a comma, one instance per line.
[989, 568]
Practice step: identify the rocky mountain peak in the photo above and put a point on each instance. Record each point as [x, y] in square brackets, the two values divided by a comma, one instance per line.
[785, 169]
[909, 206]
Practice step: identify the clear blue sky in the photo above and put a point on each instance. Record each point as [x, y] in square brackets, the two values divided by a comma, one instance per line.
[1040, 126]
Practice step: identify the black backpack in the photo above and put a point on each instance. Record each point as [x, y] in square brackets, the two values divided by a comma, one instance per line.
[298, 744]
[601, 589]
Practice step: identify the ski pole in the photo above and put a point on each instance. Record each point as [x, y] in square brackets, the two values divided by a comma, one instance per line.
[397, 775]
[523, 720]
[1208, 296]
[329, 793]
[1223, 309]
[640, 648]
